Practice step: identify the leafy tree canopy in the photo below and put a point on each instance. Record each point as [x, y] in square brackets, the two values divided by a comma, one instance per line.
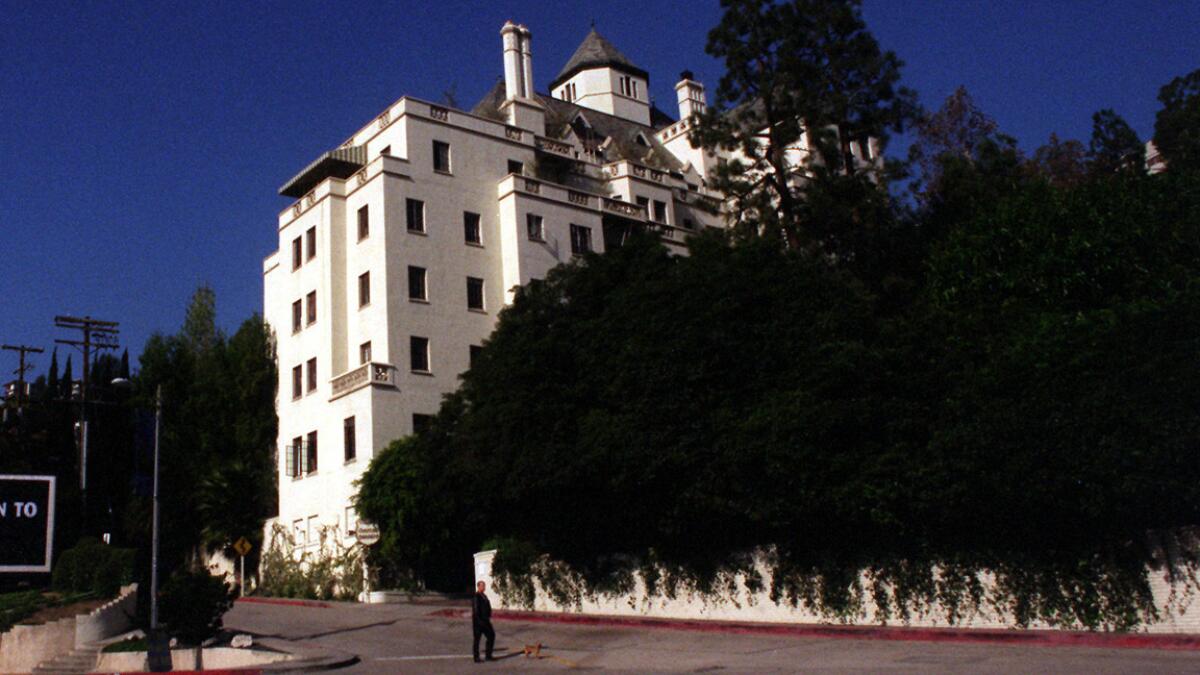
[1177, 125]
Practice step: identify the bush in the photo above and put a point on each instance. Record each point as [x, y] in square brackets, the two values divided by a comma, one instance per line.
[193, 603]
[328, 571]
[95, 567]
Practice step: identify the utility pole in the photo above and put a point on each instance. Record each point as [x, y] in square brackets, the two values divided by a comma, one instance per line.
[97, 334]
[20, 371]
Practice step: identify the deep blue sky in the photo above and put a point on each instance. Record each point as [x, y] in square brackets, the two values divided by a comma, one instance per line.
[142, 143]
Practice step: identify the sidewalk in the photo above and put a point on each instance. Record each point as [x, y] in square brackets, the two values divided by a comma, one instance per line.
[1024, 637]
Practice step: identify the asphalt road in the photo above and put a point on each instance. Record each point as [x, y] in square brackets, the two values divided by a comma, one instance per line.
[412, 638]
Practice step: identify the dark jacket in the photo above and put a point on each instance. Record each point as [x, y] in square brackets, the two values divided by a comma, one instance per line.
[481, 610]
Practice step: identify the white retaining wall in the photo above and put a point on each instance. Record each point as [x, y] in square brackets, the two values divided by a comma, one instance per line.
[24, 647]
[109, 620]
[1178, 606]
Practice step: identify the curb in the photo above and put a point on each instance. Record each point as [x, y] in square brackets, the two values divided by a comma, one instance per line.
[284, 601]
[1025, 637]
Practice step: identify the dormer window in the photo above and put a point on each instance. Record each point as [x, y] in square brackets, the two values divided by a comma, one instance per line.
[641, 140]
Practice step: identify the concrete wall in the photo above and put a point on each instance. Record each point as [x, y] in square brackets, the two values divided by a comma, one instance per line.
[112, 619]
[213, 658]
[23, 647]
[1178, 606]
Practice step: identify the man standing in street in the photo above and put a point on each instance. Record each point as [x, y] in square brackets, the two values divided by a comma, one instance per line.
[481, 621]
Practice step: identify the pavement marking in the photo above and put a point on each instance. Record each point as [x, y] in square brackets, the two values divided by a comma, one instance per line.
[429, 657]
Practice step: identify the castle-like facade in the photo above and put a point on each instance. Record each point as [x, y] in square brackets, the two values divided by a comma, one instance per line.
[406, 241]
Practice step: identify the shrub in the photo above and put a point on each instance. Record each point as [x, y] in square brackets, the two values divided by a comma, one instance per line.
[193, 604]
[93, 567]
[330, 570]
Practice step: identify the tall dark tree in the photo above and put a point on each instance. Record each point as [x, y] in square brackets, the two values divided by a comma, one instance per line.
[1115, 146]
[1061, 162]
[1177, 125]
[955, 132]
[66, 386]
[52, 377]
[798, 71]
[218, 430]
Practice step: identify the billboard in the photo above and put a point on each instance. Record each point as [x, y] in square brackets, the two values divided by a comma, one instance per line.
[26, 523]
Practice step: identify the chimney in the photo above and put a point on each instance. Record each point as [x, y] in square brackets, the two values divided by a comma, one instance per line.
[514, 71]
[690, 94]
[526, 61]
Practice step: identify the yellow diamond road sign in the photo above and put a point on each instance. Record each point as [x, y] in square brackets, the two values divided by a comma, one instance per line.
[242, 546]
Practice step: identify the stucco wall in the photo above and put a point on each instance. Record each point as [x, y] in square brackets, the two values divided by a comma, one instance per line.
[185, 659]
[114, 618]
[24, 647]
[1178, 606]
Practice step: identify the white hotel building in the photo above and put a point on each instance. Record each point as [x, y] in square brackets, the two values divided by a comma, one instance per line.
[407, 239]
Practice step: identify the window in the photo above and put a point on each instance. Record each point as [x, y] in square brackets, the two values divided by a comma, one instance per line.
[351, 521]
[533, 225]
[297, 382]
[312, 374]
[311, 453]
[297, 254]
[416, 283]
[626, 88]
[516, 167]
[298, 532]
[865, 147]
[581, 239]
[568, 92]
[418, 354]
[348, 439]
[689, 224]
[644, 202]
[475, 293]
[660, 211]
[441, 157]
[310, 241]
[313, 532]
[292, 470]
[364, 223]
[415, 213]
[476, 350]
[312, 308]
[421, 423]
[364, 352]
[364, 289]
[297, 313]
[471, 232]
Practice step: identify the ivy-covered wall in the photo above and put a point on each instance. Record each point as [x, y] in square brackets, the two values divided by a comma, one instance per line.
[550, 586]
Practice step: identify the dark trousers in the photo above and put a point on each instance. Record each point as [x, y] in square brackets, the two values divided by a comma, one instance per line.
[484, 628]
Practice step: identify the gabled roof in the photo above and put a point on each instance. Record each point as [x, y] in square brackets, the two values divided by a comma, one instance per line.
[596, 52]
[621, 133]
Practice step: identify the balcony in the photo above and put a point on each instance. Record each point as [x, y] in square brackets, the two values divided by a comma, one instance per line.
[625, 209]
[554, 147]
[368, 374]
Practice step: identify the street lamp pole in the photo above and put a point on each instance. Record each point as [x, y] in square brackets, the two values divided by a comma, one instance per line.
[154, 521]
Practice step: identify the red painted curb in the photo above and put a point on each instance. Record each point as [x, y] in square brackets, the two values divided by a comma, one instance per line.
[282, 601]
[1033, 638]
[197, 672]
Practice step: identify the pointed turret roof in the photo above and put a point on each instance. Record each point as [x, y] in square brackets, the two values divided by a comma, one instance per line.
[597, 52]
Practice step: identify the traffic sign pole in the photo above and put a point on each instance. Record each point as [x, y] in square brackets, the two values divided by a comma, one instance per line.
[242, 546]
